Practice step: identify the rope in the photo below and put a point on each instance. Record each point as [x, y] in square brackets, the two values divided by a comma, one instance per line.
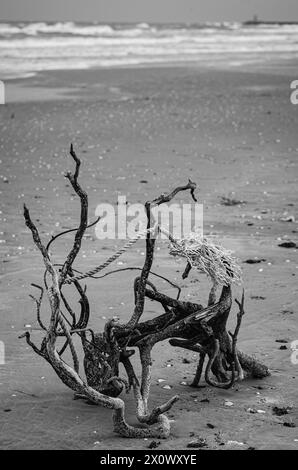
[201, 253]
[213, 260]
[112, 258]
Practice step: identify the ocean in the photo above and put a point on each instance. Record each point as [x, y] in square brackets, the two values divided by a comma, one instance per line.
[28, 48]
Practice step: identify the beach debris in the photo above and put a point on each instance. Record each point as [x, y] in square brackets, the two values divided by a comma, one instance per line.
[219, 438]
[235, 443]
[286, 311]
[289, 424]
[288, 244]
[26, 393]
[197, 443]
[205, 400]
[257, 297]
[289, 218]
[254, 260]
[261, 412]
[186, 361]
[161, 380]
[227, 201]
[153, 444]
[281, 410]
[103, 351]
[281, 341]
[283, 346]
[229, 403]
[210, 425]
[207, 257]
[251, 410]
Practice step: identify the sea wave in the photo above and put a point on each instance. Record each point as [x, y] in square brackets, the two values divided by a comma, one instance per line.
[97, 29]
[27, 48]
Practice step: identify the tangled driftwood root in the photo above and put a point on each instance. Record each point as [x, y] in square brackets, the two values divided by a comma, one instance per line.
[186, 324]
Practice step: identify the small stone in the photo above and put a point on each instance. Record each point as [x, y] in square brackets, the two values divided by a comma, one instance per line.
[229, 403]
[211, 426]
[167, 387]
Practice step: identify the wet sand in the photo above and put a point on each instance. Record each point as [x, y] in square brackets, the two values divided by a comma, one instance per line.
[235, 134]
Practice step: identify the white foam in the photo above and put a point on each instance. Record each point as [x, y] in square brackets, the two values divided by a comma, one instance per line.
[27, 48]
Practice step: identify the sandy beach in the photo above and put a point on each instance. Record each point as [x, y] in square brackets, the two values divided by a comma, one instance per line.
[140, 132]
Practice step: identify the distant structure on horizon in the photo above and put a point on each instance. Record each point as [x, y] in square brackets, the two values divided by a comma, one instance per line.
[256, 21]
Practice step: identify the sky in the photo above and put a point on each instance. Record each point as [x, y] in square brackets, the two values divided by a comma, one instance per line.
[147, 10]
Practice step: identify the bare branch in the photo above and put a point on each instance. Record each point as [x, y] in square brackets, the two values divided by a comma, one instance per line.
[83, 219]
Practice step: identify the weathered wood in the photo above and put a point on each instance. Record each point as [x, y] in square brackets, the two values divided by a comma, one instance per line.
[187, 325]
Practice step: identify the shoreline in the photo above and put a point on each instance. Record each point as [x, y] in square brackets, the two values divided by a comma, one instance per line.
[66, 84]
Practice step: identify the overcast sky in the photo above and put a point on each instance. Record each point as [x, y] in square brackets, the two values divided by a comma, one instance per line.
[148, 10]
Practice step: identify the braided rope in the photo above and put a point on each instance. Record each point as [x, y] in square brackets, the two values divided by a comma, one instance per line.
[214, 260]
[111, 259]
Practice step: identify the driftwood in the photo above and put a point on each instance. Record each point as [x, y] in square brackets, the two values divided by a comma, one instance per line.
[186, 324]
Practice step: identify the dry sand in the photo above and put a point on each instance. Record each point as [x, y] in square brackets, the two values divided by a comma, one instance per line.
[235, 133]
